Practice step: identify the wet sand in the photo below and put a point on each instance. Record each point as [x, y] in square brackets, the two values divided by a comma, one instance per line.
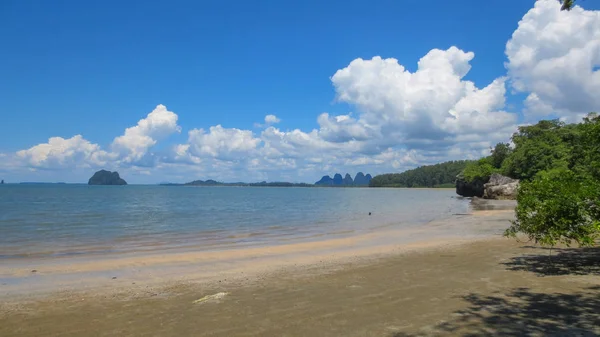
[448, 285]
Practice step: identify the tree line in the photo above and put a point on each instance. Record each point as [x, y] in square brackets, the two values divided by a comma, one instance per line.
[438, 175]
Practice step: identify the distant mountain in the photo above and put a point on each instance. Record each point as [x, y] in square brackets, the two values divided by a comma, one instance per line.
[104, 177]
[362, 180]
[337, 180]
[208, 182]
[211, 182]
[325, 181]
[348, 180]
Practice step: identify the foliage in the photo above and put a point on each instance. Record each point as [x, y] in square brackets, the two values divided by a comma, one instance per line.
[439, 175]
[567, 4]
[478, 170]
[499, 153]
[558, 206]
[559, 197]
[545, 146]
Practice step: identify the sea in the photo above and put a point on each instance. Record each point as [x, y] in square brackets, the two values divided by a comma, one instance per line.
[51, 220]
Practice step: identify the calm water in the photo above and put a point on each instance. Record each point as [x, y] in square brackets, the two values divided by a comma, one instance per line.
[54, 220]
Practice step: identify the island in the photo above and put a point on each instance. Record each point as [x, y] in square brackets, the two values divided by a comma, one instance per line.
[361, 180]
[337, 181]
[104, 177]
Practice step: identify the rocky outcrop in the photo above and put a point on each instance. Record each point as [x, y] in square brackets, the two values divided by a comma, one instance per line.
[325, 181]
[500, 187]
[348, 180]
[337, 180]
[362, 180]
[470, 188]
[104, 177]
[2, 182]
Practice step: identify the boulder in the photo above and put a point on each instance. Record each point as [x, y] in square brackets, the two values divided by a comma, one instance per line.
[500, 187]
[470, 188]
[104, 177]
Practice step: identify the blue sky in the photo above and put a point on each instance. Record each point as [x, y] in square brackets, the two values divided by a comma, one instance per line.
[97, 68]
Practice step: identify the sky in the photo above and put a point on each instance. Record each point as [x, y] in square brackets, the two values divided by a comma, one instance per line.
[174, 91]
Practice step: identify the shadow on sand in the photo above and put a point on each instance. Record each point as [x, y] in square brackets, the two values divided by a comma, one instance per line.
[571, 261]
[523, 312]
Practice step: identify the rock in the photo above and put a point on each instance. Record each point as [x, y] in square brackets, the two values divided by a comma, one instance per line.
[338, 180]
[470, 189]
[325, 181]
[104, 177]
[211, 298]
[348, 180]
[500, 187]
[2, 182]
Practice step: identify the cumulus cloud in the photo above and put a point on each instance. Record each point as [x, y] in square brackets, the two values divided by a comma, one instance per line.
[271, 119]
[553, 56]
[220, 142]
[433, 103]
[136, 140]
[59, 152]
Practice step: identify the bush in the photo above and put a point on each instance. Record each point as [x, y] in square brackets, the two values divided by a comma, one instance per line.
[558, 206]
[479, 170]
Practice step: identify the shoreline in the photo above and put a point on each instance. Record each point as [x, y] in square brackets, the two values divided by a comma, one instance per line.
[33, 278]
[482, 285]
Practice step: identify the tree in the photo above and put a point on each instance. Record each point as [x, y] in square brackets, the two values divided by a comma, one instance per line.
[559, 200]
[567, 5]
[499, 153]
[558, 206]
[438, 175]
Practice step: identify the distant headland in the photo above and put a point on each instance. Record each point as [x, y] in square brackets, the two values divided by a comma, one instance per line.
[104, 177]
[360, 180]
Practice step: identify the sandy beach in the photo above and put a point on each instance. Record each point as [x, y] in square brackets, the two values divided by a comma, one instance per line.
[358, 286]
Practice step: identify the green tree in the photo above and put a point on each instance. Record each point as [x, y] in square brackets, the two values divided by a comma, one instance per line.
[567, 5]
[499, 153]
[558, 206]
[544, 146]
[559, 200]
[438, 175]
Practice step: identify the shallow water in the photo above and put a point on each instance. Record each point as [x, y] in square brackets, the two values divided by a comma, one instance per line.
[58, 220]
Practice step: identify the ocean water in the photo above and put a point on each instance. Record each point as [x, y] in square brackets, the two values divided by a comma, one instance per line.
[61, 220]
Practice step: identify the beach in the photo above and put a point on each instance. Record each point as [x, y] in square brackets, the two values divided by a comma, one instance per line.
[451, 285]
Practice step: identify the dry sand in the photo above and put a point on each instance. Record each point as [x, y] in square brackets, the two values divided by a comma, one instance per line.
[477, 285]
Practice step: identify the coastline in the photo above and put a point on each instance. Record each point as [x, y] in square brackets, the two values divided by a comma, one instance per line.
[353, 287]
[38, 277]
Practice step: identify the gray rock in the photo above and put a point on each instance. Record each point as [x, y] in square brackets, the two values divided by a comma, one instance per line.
[104, 177]
[500, 187]
[470, 188]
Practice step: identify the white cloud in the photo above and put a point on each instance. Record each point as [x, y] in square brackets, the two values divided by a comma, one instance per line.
[63, 153]
[432, 103]
[552, 55]
[222, 143]
[271, 119]
[136, 140]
